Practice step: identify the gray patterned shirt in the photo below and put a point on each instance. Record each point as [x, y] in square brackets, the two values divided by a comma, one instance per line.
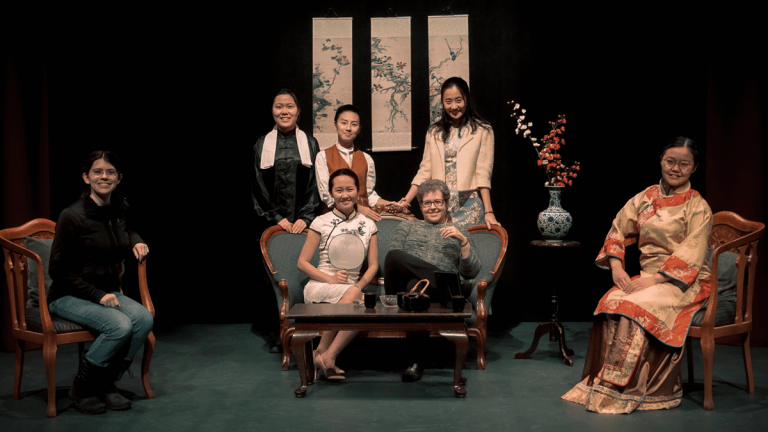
[422, 240]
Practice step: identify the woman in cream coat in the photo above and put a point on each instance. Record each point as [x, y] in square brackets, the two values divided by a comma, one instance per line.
[459, 151]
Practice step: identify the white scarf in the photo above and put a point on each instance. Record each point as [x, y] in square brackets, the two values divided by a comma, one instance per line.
[270, 143]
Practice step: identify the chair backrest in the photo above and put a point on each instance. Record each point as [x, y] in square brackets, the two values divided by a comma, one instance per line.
[491, 248]
[15, 264]
[732, 233]
[281, 251]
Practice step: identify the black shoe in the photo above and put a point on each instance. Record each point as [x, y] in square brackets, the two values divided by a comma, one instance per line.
[274, 343]
[112, 397]
[413, 373]
[85, 389]
[276, 347]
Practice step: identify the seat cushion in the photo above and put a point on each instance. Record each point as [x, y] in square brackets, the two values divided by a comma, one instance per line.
[726, 290]
[61, 325]
[41, 247]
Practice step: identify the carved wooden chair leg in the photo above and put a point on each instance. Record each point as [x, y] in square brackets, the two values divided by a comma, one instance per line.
[480, 341]
[708, 354]
[747, 362]
[149, 349]
[20, 344]
[689, 355]
[49, 358]
[285, 339]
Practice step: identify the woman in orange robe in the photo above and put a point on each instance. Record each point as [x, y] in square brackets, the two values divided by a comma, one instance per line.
[635, 349]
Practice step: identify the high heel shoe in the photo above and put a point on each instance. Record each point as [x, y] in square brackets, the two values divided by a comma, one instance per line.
[330, 373]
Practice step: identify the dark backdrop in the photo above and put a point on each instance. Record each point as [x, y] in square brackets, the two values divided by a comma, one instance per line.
[182, 94]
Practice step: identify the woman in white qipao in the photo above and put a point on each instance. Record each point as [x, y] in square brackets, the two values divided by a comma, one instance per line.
[330, 283]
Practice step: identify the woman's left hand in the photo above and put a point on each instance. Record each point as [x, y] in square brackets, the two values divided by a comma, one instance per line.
[140, 250]
[452, 231]
[639, 284]
[298, 226]
[490, 219]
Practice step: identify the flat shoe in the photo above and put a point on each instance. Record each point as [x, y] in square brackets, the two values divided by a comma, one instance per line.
[413, 373]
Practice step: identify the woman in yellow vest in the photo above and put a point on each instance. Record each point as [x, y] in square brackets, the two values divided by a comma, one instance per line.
[345, 155]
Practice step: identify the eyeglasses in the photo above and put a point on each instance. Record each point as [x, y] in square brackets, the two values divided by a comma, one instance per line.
[99, 172]
[436, 203]
[670, 163]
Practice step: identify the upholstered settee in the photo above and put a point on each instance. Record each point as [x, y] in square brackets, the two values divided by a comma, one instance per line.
[281, 250]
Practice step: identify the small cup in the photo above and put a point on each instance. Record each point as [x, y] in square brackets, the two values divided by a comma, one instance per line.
[458, 303]
[400, 296]
[370, 299]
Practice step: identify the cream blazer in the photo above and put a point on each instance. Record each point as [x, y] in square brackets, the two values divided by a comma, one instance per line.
[474, 163]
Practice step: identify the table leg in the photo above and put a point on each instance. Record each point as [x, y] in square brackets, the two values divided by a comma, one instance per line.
[461, 340]
[556, 333]
[541, 330]
[303, 358]
[564, 351]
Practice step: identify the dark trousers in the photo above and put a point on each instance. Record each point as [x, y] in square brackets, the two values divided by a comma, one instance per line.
[402, 271]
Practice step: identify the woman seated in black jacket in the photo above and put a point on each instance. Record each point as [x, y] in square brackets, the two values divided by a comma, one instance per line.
[92, 239]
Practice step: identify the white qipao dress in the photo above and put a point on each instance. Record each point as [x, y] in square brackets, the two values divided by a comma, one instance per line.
[330, 226]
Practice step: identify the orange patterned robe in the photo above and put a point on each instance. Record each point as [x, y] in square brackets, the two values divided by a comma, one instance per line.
[626, 369]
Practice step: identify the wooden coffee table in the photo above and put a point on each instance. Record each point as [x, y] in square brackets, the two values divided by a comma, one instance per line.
[311, 319]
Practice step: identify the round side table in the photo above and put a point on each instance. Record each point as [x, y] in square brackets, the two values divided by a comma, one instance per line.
[553, 327]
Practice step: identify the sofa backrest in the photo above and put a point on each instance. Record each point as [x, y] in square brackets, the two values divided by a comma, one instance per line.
[490, 247]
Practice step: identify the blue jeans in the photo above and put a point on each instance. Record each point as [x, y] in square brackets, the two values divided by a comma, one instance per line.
[122, 329]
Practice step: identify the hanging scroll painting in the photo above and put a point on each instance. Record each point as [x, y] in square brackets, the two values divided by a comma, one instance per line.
[391, 83]
[331, 74]
[448, 55]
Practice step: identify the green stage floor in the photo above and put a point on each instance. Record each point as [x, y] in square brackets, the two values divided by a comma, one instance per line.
[222, 378]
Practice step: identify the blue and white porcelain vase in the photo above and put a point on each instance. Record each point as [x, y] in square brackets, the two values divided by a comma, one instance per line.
[554, 222]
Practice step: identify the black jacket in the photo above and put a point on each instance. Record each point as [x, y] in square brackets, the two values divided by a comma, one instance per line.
[89, 246]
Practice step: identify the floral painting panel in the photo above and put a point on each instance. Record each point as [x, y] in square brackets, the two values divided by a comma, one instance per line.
[448, 55]
[331, 74]
[391, 84]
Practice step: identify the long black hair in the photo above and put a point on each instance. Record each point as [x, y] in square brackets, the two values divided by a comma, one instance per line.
[470, 117]
[681, 141]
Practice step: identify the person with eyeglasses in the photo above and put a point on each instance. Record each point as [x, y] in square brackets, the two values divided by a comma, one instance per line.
[419, 248]
[459, 151]
[636, 345]
[91, 241]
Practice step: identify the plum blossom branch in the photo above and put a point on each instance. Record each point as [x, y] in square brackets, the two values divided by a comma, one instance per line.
[548, 148]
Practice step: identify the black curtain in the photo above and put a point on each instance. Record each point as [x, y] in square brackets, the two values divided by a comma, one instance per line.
[183, 93]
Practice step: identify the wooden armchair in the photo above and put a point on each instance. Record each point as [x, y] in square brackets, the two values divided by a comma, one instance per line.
[730, 232]
[38, 325]
[281, 251]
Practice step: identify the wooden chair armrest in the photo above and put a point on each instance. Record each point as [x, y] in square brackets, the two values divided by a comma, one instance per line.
[481, 310]
[286, 305]
[146, 300]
